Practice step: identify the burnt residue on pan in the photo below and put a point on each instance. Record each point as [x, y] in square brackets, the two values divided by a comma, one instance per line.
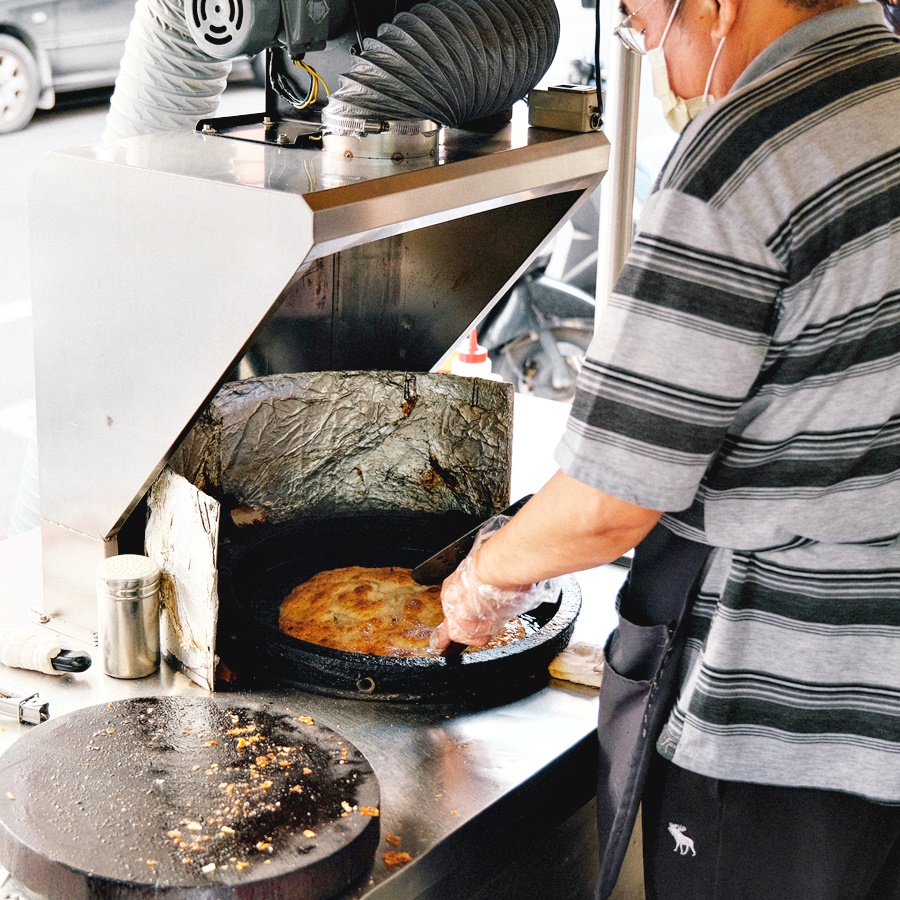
[257, 789]
[185, 793]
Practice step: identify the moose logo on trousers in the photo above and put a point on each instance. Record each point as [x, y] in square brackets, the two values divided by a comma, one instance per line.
[682, 842]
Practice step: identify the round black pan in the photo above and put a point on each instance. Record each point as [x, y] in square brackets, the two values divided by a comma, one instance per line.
[91, 804]
[257, 571]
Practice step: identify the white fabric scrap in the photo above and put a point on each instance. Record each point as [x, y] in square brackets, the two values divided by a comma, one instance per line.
[24, 649]
[581, 663]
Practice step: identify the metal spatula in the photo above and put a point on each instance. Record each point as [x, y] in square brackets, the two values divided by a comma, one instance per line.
[443, 563]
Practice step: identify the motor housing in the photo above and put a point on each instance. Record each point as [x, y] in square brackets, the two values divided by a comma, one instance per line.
[226, 29]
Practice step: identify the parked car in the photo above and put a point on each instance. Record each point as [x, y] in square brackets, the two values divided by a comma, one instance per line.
[48, 47]
[51, 46]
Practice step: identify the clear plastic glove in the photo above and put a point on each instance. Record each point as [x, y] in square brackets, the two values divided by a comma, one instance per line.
[474, 611]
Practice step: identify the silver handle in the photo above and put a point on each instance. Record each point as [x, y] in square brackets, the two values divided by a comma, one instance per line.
[29, 710]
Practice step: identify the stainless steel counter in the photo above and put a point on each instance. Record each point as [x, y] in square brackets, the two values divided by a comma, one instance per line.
[462, 790]
[455, 787]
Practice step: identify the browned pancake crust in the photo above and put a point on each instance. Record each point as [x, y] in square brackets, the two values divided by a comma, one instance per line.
[380, 611]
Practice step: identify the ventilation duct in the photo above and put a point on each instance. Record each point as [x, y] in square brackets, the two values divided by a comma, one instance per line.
[449, 61]
[166, 82]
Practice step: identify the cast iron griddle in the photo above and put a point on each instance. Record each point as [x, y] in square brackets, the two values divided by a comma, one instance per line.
[186, 798]
[260, 569]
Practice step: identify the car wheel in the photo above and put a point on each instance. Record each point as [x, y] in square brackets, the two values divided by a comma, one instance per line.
[19, 84]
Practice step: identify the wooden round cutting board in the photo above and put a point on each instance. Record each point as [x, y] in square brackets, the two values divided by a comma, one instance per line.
[203, 798]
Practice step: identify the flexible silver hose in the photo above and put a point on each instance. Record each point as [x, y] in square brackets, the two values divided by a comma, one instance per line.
[166, 82]
[450, 61]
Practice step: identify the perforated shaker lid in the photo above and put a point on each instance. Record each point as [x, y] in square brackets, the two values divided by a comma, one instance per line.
[128, 571]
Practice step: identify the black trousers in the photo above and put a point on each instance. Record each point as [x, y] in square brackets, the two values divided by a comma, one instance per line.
[706, 839]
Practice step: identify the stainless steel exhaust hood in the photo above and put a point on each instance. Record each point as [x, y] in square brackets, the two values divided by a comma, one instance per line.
[163, 264]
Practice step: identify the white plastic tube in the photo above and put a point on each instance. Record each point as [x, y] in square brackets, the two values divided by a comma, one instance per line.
[166, 82]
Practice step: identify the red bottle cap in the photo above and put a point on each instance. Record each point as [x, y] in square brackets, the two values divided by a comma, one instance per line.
[474, 353]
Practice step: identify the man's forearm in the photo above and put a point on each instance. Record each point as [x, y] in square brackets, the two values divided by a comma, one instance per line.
[566, 527]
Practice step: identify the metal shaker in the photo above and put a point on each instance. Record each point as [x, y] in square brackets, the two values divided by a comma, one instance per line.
[128, 608]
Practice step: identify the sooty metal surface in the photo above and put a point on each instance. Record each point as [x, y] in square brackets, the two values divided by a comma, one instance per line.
[186, 798]
[257, 572]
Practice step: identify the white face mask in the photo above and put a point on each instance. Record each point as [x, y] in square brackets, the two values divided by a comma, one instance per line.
[677, 110]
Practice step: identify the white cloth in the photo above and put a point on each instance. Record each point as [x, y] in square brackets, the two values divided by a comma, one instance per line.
[581, 663]
[24, 649]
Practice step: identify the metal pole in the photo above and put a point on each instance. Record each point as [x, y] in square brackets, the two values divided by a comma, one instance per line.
[617, 189]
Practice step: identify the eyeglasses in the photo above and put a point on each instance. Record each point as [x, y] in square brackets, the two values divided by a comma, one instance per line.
[631, 37]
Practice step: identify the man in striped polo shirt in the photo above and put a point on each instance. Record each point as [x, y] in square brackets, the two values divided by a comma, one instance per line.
[742, 392]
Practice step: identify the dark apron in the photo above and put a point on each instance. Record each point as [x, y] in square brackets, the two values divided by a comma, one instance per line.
[639, 683]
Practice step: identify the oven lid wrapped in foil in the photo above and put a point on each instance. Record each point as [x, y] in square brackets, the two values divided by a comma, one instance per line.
[284, 447]
[318, 443]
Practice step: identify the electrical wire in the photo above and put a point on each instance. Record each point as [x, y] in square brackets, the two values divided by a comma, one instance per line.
[315, 79]
[357, 18]
[285, 86]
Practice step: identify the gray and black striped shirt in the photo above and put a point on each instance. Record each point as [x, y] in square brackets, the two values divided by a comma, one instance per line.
[745, 378]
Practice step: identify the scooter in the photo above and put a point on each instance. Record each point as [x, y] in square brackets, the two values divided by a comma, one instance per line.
[538, 334]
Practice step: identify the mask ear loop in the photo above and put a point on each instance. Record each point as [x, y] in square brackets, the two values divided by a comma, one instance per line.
[712, 68]
[665, 33]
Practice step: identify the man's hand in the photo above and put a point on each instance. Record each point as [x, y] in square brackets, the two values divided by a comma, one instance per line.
[566, 527]
[474, 611]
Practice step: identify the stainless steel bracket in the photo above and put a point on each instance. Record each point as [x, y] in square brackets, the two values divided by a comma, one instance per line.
[29, 710]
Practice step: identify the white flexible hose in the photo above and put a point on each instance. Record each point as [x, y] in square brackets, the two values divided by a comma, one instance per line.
[481, 56]
[166, 82]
